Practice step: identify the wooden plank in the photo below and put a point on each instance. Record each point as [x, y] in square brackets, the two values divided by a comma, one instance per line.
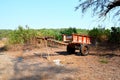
[59, 42]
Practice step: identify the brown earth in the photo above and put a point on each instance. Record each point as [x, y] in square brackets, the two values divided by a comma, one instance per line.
[37, 64]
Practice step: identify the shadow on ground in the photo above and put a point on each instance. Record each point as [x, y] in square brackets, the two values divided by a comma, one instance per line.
[2, 49]
[108, 55]
[39, 55]
[25, 70]
[63, 53]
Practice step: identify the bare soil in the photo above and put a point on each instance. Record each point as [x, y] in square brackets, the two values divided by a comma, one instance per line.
[38, 64]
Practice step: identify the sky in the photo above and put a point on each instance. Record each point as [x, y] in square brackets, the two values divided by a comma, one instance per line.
[39, 14]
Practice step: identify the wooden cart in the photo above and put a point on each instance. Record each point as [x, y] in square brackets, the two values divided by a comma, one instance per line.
[77, 42]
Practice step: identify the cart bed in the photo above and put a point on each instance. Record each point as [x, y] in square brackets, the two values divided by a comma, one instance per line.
[77, 39]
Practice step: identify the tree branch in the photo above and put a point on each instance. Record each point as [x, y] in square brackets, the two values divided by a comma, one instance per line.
[112, 5]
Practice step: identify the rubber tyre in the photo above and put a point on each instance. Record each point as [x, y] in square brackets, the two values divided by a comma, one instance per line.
[70, 49]
[84, 50]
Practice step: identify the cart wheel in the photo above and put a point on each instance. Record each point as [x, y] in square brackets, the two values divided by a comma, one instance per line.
[84, 50]
[70, 49]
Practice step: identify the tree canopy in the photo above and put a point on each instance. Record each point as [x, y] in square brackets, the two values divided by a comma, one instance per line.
[99, 6]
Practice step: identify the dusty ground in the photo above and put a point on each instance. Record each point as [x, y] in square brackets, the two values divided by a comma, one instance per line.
[37, 65]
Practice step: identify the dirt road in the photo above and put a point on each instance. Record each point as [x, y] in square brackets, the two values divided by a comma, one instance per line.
[37, 65]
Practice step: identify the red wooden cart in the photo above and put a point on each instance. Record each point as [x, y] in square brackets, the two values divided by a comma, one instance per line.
[77, 42]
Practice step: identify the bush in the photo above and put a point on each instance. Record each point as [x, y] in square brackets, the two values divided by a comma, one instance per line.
[82, 31]
[4, 33]
[100, 34]
[68, 31]
[56, 33]
[22, 35]
[115, 35]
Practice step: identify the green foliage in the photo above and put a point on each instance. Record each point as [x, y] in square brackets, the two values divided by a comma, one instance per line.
[100, 34]
[21, 35]
[48, 32]
[82, 31]
[56, 33]
[68, 31]
[94, 32]
[25, 35]
[115, 35]
[4, 33]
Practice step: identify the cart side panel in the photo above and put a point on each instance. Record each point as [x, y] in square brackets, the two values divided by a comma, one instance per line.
[84, 39]
[81, 39]
[75, 38]
[88, 40]
[64, 37]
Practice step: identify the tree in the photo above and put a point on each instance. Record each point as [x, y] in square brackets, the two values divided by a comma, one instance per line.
[68, 31]
[115, 35]
[22, 35]
[100, 34]
[99, 6]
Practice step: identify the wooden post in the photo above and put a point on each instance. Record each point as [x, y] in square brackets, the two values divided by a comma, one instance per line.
[47, 48]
